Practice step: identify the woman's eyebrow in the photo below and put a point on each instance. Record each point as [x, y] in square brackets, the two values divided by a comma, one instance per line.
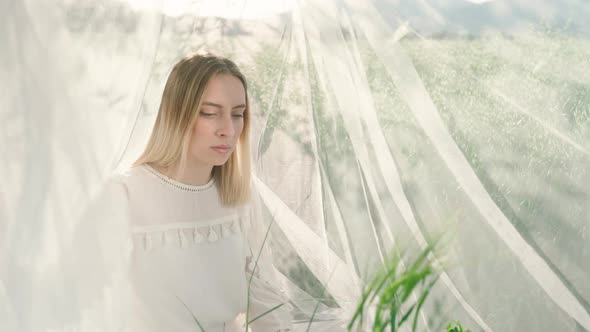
[208, 103]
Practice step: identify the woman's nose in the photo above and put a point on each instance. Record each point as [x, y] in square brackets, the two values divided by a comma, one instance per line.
[226, 126]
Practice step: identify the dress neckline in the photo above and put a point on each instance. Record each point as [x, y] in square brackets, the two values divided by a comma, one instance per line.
[177, 184]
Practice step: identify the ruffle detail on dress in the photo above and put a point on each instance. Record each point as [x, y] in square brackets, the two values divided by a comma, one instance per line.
[184, 237]
[212, 237]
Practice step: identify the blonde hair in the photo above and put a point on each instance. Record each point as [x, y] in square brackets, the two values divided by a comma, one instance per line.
[181, 102]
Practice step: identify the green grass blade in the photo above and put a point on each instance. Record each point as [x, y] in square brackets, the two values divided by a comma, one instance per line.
[421, 302]
[266, 312]
[190, 312]
[315, 309]
[252, 275]
[407, 315]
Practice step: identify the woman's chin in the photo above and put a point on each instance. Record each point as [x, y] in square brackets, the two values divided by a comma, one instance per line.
[220, 161]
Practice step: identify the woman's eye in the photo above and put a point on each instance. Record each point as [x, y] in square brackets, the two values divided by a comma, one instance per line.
[238, 115]
[207, 114]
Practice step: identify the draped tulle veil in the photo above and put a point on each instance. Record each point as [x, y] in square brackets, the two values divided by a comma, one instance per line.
[376, 126]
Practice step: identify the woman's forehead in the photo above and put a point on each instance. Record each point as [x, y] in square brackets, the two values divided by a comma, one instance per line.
[225, 90]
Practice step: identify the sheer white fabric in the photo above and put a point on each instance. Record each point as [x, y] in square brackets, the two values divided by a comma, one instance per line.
[376, 126]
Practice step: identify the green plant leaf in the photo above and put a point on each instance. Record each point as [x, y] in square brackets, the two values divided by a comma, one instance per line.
[266, 313]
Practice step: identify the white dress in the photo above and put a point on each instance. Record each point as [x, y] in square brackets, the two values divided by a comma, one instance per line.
[191, 260]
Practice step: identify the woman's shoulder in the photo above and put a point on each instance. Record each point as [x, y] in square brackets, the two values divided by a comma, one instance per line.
[117, 188]
[119, 182]
[126, 177]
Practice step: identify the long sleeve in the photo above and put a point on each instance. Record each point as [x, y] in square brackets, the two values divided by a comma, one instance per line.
[269, 309]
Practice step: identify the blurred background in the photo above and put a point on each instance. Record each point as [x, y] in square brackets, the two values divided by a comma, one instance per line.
[378, 126]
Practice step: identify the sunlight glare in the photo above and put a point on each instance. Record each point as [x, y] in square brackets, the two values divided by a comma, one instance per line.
[229, 9]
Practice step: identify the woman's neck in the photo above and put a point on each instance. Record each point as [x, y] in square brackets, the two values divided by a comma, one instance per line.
[194, 175]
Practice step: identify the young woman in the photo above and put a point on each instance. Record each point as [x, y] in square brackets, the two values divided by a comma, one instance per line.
[194, 262]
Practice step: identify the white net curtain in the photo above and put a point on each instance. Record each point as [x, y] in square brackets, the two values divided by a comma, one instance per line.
[378, 125]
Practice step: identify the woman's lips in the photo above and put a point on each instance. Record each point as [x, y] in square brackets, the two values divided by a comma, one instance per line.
[221, 148]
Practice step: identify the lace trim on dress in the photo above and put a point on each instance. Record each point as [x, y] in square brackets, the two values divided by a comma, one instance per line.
[183, 235]
[176, 184]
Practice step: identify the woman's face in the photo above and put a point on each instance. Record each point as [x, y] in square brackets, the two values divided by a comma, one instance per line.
[219, 122]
